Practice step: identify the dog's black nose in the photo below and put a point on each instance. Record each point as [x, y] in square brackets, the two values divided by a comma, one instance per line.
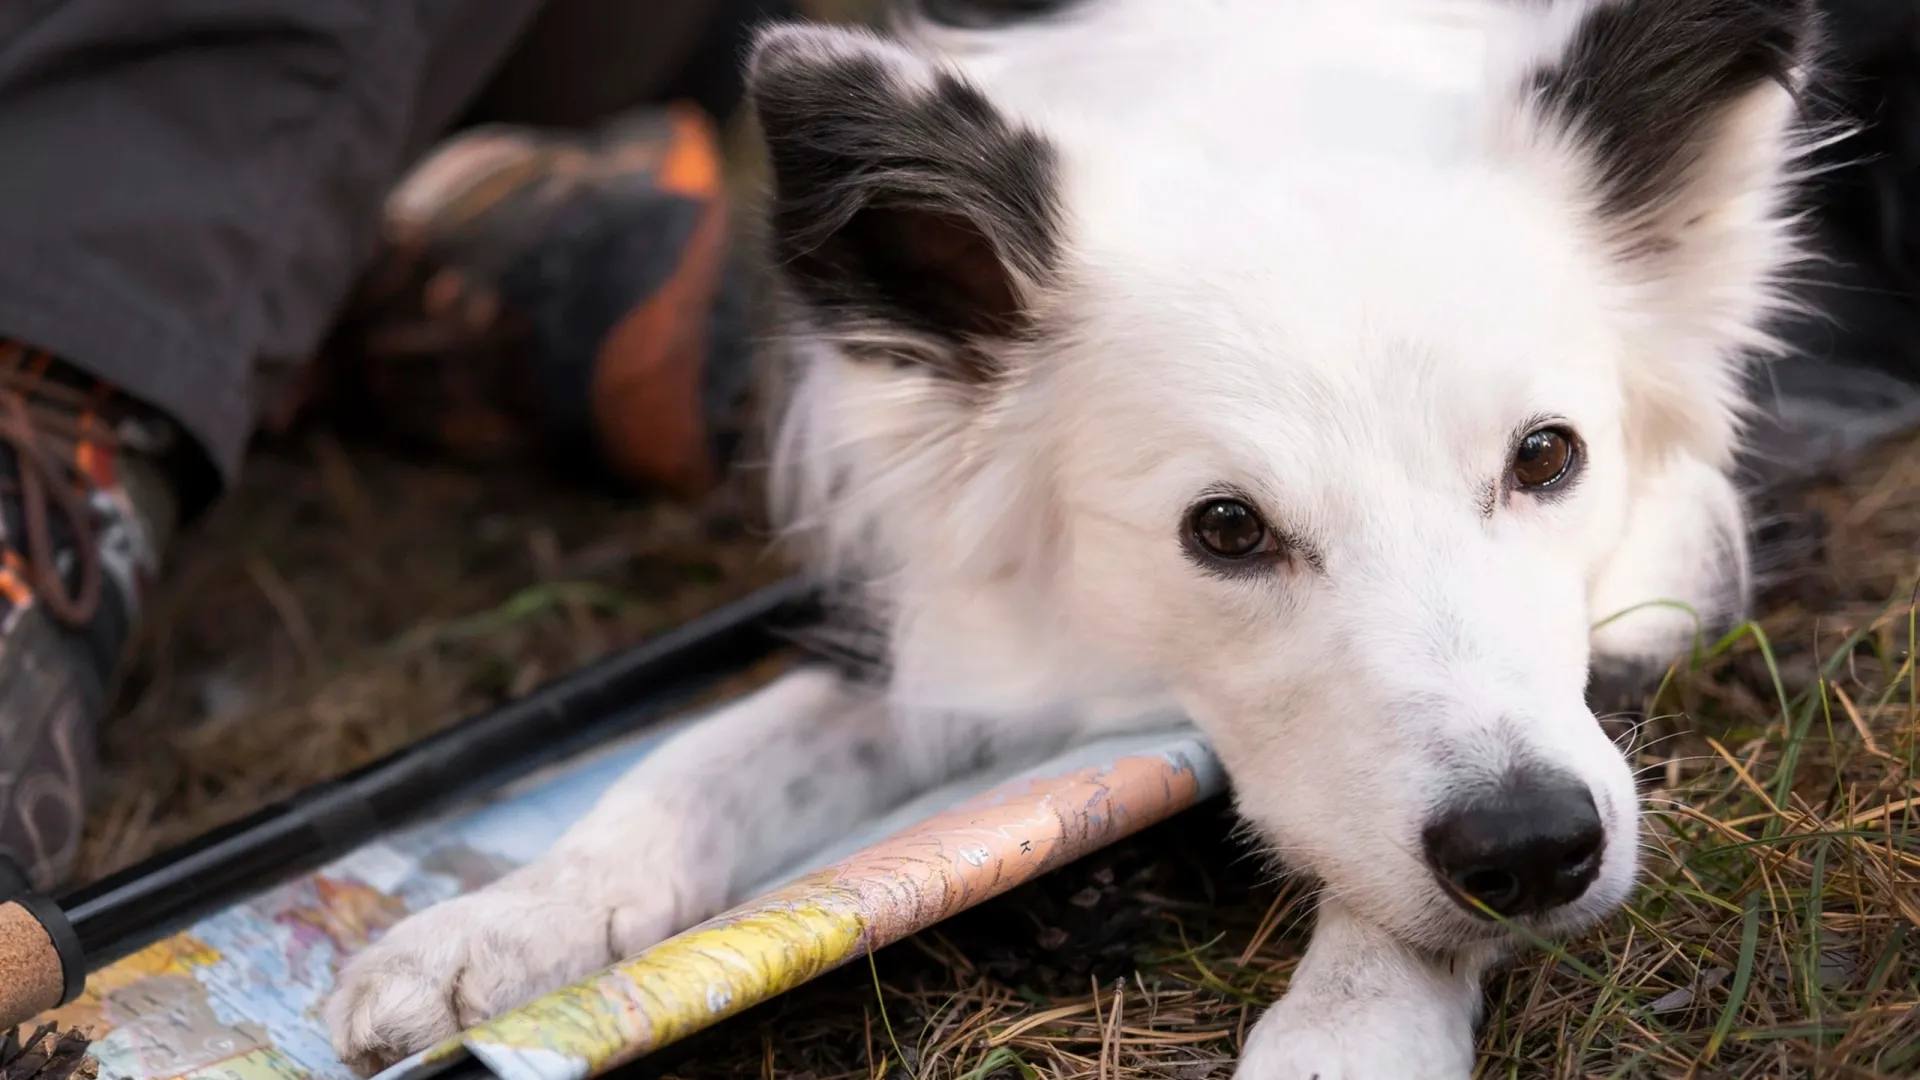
[1528, 847]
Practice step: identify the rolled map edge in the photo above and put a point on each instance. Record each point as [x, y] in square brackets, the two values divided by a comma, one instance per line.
[907, 880]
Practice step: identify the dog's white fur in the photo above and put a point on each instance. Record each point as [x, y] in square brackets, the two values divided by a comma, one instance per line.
[1328, 253]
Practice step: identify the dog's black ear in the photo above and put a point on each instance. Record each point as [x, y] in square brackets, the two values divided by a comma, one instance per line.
[1679, 107]
[906, 210]
[1683, 120]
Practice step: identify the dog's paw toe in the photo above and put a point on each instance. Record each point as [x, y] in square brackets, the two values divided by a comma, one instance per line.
[379, 1014]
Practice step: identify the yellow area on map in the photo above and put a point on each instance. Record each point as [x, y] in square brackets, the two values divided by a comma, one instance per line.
[680, 986]
[177, 955]
[587, 1025]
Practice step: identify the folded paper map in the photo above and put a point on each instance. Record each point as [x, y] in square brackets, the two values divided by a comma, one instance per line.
[238, 995]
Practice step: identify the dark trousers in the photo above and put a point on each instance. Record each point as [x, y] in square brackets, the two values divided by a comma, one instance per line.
[188, 188]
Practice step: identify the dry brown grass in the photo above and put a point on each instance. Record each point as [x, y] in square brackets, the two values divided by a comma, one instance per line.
[344, 602]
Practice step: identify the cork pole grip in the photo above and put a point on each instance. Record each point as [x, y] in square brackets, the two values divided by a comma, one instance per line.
[32, 977]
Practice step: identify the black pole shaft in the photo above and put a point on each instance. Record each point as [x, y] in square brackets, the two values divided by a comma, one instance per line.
[131, 909]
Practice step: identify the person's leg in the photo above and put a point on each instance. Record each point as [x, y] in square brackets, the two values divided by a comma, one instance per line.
[558, 292]
[561, 274]
[194, 184]
[190, 187]
[582, 61]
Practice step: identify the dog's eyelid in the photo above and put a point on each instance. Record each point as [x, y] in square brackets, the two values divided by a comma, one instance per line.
[1554, 492]
[1253, 566]
[1536, 422]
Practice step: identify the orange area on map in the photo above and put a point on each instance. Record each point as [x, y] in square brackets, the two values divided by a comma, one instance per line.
[349, 913]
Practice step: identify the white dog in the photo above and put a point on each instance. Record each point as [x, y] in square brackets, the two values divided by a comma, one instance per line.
[1326, 370]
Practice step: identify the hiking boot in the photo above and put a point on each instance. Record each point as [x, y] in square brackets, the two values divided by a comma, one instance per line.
[571, 294]
[84, 512]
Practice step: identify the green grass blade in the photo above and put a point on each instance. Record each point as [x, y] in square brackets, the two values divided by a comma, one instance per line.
[1742, 975]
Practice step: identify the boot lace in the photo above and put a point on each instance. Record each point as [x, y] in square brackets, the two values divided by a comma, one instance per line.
[48, 425]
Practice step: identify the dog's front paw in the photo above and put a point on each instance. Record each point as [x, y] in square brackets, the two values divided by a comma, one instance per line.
[1362, 1006]
[459, 963]
[1370, 1045]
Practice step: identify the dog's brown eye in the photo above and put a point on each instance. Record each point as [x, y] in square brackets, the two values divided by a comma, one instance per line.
[1543, 458]
[1229, 529]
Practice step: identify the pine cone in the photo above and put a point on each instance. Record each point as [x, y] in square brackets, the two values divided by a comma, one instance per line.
[48, 1054]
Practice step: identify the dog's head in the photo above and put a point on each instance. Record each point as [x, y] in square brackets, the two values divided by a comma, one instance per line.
[1334, 418]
